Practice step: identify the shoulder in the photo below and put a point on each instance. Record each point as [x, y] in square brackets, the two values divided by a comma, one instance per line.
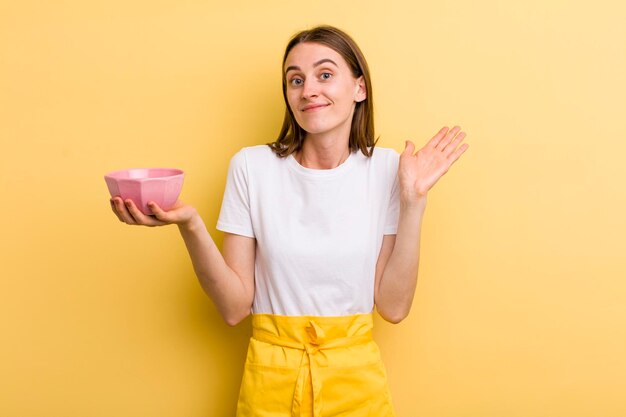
[385, 153]
[385, 157]
[256, 153]
[251, 156]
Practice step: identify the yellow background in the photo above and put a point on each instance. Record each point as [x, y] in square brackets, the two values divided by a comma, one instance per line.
[520, 308]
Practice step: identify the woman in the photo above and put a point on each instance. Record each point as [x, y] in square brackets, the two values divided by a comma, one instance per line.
[320, 227]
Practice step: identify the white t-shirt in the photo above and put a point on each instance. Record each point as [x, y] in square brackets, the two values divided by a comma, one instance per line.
[318, 232]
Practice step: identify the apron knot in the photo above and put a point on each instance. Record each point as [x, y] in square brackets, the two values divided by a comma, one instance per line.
[317, 335]
[313, 340]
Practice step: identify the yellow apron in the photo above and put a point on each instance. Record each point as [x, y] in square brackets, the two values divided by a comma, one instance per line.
[310, 366]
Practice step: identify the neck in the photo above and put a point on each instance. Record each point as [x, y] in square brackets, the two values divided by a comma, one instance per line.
[322, 152]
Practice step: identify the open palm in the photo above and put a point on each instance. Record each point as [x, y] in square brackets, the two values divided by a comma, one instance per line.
[418, 173]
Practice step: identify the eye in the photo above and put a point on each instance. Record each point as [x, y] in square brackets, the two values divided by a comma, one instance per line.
[326, 75]
[296, 82]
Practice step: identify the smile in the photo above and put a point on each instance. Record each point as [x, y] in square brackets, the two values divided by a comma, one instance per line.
[313, 107]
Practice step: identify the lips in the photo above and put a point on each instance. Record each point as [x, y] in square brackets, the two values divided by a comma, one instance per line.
[313, 107]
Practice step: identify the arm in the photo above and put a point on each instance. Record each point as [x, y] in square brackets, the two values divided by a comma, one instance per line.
[397, 266]
[227, 279]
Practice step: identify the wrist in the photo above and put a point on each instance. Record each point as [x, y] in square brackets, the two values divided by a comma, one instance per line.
[193, 223]
[410, 200]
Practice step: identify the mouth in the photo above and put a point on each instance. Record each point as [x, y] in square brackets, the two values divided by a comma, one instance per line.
[313, 107]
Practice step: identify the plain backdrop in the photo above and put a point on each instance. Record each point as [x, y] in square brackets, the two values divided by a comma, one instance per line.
[520, 308]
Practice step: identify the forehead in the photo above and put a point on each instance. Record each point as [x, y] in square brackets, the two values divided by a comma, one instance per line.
[306, 54]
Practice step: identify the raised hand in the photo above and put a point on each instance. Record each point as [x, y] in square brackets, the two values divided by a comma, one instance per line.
[127, 212]
[418, 173]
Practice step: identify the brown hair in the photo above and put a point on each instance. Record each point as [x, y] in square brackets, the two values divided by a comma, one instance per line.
[291, 135]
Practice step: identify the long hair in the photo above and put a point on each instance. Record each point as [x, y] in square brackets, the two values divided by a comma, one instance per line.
[291, 136]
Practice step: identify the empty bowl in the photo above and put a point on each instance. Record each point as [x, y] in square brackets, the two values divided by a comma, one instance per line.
[142, 185]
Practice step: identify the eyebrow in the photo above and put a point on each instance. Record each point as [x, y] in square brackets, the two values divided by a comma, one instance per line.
[318, 63]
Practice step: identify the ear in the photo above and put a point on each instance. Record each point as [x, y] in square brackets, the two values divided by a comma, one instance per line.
[361, 90]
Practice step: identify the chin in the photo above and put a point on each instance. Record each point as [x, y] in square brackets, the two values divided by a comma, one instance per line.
[314, 128]
[320, 127]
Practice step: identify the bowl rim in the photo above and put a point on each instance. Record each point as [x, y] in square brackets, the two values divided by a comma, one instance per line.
[175, 173]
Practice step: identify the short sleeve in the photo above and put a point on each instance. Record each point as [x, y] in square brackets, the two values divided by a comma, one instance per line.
[235, 214]
[393, 208]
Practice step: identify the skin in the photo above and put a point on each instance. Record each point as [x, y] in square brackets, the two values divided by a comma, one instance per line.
[322, 93]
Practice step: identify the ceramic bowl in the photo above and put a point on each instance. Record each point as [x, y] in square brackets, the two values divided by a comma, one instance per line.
[142, 185]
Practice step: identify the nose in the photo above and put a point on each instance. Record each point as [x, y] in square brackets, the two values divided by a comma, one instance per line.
[309, 89]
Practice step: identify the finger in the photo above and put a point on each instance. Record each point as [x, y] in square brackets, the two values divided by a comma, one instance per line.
[434, 141]
[446, 140]
[114, 210]
[139, 217]
[453, 145]
[158, 212]
[123, 211]
[457, 154]
[409, 148]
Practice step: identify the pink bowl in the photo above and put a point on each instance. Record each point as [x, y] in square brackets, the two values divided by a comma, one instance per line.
[142, 185]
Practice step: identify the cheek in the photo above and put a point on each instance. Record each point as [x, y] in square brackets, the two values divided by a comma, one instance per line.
[292, 100]
[343, 93]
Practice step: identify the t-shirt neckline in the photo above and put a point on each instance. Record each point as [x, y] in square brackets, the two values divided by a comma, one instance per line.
[321, 173]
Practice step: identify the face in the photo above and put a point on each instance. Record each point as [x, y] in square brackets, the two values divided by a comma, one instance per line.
[321, 89]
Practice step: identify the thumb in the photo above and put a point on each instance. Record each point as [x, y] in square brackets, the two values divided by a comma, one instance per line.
[409, 148]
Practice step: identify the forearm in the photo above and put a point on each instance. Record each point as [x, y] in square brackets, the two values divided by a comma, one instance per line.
[399, 278]
[222, 284]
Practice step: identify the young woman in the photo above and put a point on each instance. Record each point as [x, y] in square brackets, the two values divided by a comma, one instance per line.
[320, 227]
